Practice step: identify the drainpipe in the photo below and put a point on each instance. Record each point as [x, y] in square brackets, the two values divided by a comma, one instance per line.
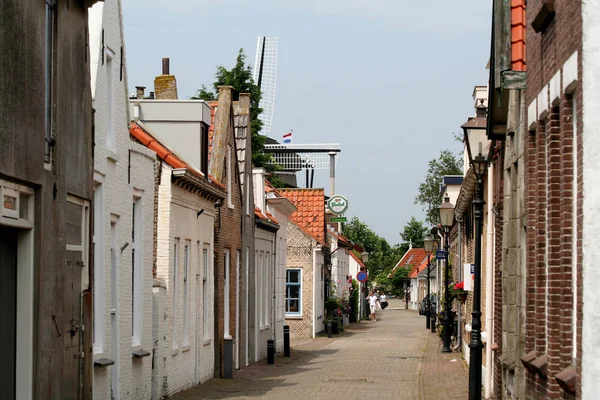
[489, 282]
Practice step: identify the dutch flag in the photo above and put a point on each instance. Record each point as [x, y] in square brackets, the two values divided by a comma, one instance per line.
[287, 138]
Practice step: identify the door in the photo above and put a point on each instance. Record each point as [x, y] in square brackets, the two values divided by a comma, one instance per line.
[114, 321]
[72, 326]
[8, 314]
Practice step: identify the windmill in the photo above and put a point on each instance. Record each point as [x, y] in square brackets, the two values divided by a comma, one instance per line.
[265, 76]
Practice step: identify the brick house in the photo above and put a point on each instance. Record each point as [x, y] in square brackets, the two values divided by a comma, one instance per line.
[466, 251]
[555, 201]
[228, 236]
[123, 220]
[307, 263]
[412, 261]
[46, 186]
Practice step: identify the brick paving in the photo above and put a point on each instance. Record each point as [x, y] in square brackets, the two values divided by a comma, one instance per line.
[393, 358]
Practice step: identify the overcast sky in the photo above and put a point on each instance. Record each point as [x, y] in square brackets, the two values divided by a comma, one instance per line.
[390, 80]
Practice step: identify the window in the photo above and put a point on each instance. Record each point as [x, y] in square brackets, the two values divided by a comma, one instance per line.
[267, 288]
[174, 287]
[229, 178]
[259, 294]
[205, 294]
[99, 288]
[49, 99]
[110, 129]
[136, 272]
[204, 149]
[186, 273]
[226, 295]
[293, 286]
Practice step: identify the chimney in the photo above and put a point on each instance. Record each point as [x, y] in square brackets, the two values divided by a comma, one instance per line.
[219, 141]
[139, 92]
[165, 85]
[481, 109]
[151, 95]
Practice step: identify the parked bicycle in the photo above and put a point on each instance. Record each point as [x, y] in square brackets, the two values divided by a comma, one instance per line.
[454, 344]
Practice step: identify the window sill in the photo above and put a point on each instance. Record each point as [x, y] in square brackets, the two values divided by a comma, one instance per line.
[294, 317]
[174, 352]
[206, 342]
[185, 347]
[112, 155]
[140, 353]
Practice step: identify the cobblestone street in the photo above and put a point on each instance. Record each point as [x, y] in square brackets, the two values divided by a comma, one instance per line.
[393, 358]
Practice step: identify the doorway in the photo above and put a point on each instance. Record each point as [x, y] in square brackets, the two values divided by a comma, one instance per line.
[8, 311]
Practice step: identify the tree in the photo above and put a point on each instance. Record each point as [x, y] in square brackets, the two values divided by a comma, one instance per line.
[240, 77]
[414, 232]
[377, 247]
[429, 195]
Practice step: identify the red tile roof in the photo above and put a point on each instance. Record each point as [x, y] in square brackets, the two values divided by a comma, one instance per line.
[267, 216]
[339, 237]
[414, 272]
[413, 258]
[310, 216]
[518, 32]
[165, 153]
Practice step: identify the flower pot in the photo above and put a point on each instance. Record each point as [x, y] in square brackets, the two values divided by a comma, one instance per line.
[462, 298]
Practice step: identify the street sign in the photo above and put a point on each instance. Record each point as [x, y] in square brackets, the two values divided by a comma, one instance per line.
[337, 219]
[362, 276]
[441, 255]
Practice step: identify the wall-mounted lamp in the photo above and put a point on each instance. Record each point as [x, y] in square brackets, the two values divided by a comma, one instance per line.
[218, 203]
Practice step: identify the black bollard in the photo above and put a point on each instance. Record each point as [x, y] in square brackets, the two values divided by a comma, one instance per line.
[329, 330]
[286, 340]
[271, 351]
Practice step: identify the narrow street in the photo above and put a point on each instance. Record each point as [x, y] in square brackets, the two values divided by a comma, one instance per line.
[393, 358]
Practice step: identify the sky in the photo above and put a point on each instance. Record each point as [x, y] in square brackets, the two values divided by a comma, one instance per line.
[390, 80]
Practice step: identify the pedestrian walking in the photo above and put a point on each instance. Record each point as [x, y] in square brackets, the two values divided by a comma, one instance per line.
[383, 301]
[373, 304]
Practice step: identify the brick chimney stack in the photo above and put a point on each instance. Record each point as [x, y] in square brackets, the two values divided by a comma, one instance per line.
[139, 92]
[165, 85]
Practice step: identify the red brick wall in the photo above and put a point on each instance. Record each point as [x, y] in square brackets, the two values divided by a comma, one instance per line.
[228, 235]
[549, 175]
[497, 306]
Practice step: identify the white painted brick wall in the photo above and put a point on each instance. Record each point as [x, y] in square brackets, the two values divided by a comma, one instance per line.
[177, 212]
[263, 242]
[590, 384]
[280, 277]
[134, 374]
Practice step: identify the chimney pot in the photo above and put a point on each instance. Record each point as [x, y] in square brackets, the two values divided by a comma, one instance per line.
[151, 95]
[139, 91]
[165, 66]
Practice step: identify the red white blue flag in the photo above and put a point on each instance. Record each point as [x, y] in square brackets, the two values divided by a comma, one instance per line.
[287, 138]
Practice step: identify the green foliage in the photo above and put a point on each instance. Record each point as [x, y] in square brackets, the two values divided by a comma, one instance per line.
[240, 77]
[414, 232]
[429, 195]
[354, 301]
[331, 305]
[377, 246]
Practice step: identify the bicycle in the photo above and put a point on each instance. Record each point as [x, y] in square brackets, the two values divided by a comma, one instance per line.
[454, 345]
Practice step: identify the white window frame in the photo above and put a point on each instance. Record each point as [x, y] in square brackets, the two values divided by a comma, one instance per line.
[99, 270]
[84, 246]
[226, 292]
[186, 293]
[260, 297]
[137, 276]
[299, 313]
[205, 294]
[229, 179]
[174, 285]
[110, 101]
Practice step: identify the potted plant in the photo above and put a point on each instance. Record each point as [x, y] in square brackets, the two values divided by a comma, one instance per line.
[459, 292]
[331, 306]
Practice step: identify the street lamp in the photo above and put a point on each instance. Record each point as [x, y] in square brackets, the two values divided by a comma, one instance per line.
[479, 150]
[428, 244]
[447, 218]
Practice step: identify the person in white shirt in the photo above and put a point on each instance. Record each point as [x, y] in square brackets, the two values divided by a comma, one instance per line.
[383, 300]
[373, 303]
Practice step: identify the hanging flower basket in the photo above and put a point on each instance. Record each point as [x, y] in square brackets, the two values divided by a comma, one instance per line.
[462, 297]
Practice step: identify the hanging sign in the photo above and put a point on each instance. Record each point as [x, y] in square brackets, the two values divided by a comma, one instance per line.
[337, 204]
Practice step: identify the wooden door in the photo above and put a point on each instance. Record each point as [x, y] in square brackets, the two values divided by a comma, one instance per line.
[8, 310]
[72, 327]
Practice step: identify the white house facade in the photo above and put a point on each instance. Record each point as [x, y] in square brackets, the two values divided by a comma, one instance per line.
[123, 219]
